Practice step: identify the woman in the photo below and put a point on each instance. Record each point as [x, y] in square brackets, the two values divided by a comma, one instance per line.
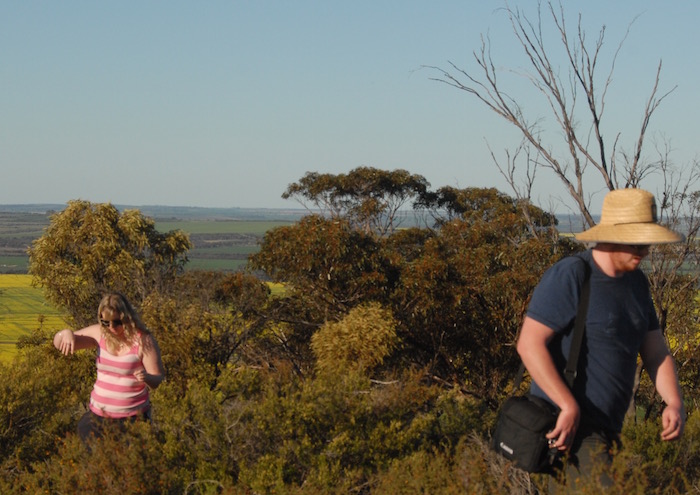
[128, 364]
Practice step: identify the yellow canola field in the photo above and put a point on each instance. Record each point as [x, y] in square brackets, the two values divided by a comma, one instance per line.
[21, 308]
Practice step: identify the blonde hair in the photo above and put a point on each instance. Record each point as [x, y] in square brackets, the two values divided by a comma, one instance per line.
[116, 305]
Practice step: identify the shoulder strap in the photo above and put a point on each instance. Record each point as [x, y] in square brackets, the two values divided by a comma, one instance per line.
[579, 326]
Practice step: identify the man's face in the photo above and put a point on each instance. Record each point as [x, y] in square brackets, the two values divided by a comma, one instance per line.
[627, 257]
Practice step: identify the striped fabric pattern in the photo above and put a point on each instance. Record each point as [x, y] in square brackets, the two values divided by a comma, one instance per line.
[117, 394]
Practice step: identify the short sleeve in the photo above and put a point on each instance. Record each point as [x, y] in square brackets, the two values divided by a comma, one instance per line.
[554, 301]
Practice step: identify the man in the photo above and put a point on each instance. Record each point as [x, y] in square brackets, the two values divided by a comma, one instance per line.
[621, 324]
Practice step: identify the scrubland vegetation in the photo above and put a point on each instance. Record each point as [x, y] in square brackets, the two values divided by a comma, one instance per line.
[377, 370]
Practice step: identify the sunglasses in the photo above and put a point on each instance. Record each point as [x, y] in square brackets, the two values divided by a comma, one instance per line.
[114, 323]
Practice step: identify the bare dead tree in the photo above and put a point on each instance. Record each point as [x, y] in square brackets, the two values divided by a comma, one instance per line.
[522, 186]
[584, 143]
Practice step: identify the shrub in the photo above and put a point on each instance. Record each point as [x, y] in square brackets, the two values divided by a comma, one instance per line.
[474, 468]
[665, 467]
[360, 341]
[40, 399]
[117, 464]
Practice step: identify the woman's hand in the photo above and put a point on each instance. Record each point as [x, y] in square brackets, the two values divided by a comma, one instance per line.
[64, 341]
[151, 380]
[141, 375]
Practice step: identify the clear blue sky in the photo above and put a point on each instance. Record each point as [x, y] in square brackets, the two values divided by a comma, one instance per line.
[225, 103]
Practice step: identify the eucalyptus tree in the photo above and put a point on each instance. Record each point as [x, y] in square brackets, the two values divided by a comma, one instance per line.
[90, 248]
[367, 197]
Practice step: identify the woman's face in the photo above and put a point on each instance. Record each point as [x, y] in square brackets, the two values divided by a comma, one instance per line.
[112, 323]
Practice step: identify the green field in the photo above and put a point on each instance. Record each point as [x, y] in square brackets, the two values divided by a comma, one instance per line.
[215, 265]
[220, 245]
[14, 264]
[245, 227]
[21, 309]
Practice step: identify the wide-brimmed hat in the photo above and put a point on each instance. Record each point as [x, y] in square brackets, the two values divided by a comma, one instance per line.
[629, 217]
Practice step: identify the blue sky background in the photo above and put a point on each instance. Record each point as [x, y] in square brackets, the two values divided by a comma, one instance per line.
[225, 103]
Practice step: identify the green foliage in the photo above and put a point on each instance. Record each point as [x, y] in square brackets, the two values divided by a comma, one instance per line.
[358, 342]
[680, 317]
[40, 397]
[472, 468]
[337, 428]
[461, 297]
[419, 473]
[257, 431]
[323, 260]
[201, 331]
[114, 465]
[327, 269]
[366, 197]
[195, 433]
[457, 293]
[665, 467]
[478, 205]
[89, 249]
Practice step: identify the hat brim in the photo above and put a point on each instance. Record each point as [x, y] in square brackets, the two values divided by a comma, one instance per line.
[631, 233]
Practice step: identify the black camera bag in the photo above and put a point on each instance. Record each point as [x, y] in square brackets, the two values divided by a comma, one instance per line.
[520, 432]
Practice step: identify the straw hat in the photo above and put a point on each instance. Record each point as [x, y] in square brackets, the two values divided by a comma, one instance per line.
[629, 217]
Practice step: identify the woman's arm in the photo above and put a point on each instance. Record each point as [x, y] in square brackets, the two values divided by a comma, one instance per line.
[68, 341]
[153, 372]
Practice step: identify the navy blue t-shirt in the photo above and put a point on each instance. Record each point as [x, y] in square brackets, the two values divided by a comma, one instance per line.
[620, 312]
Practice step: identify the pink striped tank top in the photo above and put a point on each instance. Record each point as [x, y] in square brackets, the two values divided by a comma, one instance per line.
[117, 394]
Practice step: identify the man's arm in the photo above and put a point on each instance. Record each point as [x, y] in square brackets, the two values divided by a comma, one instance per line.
[662, 369]
[532, 347]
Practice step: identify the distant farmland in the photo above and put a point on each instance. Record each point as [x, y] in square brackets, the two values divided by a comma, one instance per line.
[222, 238]
[221, 245]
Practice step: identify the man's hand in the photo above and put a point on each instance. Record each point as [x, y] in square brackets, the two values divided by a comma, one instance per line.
[672, 422]
[562, 436]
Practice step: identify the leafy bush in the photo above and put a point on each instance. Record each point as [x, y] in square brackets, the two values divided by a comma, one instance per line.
[473, 468]
[40, 399]
[119, 463]
[358, 342]
[665, 467]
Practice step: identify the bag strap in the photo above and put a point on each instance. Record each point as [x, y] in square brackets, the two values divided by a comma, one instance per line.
[579, 326]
